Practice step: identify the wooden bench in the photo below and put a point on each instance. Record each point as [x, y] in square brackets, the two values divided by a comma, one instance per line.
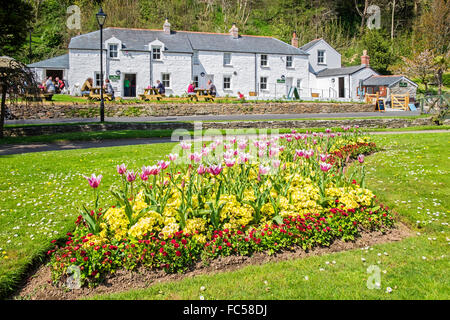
[202, 94]
[151, 94]
[40, 97]
[94, 94]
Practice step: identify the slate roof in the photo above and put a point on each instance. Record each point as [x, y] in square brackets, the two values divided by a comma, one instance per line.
[384, 80]
[340, 71]
[310, 44]
[185, 41]
[60, 62]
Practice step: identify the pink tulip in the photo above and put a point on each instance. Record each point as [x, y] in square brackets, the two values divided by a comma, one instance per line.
[230, 162]
[323, 157]
[163, 164]
[215, 169]
[242, 144]
[143, 176]
[308, 154]
[205, 151]
[196, 157]
[226, 146]
[121, 169]
[232, 140]
[151, 170]
[94, 181]
[173, 157]
[264, 170]
[276, 163]
[228, 155]
[131, 176]
[325, 166]
[361, 158]
[244, 157]
[185, 146]
[299, 153]
[273, 152]
[327, 130]
[201, 169]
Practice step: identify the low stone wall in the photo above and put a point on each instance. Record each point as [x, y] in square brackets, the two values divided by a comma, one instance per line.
[60, 111]
[363, 123]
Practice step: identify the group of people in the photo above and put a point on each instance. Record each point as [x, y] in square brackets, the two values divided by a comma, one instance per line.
[89, 84]
[50, 86]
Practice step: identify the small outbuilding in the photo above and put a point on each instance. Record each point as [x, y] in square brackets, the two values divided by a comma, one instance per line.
[53, 67]
[390, 86]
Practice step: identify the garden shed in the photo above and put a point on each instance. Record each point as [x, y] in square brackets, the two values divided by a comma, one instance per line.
[386, 86]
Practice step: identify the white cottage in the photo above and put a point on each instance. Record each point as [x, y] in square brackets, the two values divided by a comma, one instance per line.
[259, 66]
[233, 62]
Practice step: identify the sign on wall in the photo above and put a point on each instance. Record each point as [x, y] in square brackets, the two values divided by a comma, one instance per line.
[114, 78]
[403, 84]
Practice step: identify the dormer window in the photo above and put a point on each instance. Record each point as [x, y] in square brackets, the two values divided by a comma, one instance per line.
[156, 53]
[113, 51]
[320, 56]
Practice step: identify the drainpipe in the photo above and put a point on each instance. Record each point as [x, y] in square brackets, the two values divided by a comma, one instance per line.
[151, 67]
[256, 76]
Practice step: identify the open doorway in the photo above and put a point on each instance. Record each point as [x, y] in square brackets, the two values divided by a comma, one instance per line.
[341, 87]
[54, 73]
[129, 85]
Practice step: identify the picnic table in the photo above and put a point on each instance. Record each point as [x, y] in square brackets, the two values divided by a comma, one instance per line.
[47, 96]
[151, 94]
[202, 94]
[94, 94]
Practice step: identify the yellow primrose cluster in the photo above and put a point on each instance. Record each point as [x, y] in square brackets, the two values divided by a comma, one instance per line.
[351, 198]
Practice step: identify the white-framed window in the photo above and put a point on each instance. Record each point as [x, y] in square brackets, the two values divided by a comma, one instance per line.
[165, 78]
[263, 83]
[156, 53]
[196, 81]
[114, 50]
[289, 61]
[226, 82]
[298, 83]
[264, 60]
[321, 56]
[195, 58]
[227, 59]
[97, 79]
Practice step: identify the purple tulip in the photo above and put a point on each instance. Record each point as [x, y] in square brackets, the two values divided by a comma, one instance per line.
[131, 176]
[121, 169]
[325, 166]
[361, 158]
[94, 181]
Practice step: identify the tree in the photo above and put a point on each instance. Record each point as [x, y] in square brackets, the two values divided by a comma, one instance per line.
[15, 21]
[16, 80]
[441, 64]
[421, 66]
[378, 46]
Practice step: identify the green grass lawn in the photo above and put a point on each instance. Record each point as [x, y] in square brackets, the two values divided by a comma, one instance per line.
[40, 193]
[132, 134]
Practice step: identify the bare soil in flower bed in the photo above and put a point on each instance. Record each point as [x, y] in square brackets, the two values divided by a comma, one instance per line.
[38, 285]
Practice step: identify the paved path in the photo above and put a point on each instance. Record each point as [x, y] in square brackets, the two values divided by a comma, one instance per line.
[242, 117]
[12, 149]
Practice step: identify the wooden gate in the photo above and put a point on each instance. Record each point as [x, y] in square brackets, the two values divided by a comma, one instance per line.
[399, 101]
[372, 97]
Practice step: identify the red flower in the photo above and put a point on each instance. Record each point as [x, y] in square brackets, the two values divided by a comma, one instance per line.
[85, 258]
[178, 253]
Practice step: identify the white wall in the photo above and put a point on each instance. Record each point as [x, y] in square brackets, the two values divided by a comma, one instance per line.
[360, 75]
[332, 57]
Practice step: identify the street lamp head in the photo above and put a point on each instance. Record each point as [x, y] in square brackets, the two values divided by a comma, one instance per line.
[101, 17]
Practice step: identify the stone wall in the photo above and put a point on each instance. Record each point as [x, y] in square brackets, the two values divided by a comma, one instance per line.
[363, 123]
[60, 111]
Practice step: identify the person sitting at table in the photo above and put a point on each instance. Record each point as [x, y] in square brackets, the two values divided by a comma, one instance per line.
[50, 85]
[87, 86]
[212, 88]
[160, 87]
[59, 85]
[191, 89]
[109, 88]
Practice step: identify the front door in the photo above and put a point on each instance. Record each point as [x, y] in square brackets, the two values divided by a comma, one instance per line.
[341, 87]
[129, 85]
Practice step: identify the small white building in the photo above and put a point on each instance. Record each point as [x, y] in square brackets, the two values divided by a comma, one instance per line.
[260, 67]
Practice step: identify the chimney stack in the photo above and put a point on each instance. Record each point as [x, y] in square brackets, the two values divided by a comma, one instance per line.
[166, 26]
[294, 41]
[234, 31]
[365, 59]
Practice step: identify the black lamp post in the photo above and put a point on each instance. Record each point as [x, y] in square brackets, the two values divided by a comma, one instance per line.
[101, 17]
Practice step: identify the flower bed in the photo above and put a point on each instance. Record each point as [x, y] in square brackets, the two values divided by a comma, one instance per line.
[230, 197]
